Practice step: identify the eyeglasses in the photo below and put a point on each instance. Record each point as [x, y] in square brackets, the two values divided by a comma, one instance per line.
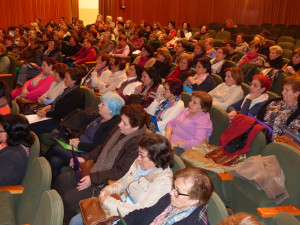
[176, 192]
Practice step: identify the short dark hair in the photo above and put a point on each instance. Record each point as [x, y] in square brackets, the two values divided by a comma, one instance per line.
[104, 57]
[175, 85]
[61, 69]
[159, 149]
[225, 52]
[76, 38]
[90, 40]
[136, 114]
[205, 62]
[75, 74]
[5, 92]
[120, 62]
[122, 38]
[50, 61]
[57, 45]
[153, 75]
[202, 188]
[172, 22]
[205, 100]
[231, 43]
[25, 39]
[138, 70]
[184, 43]
[16, 127]
[140, 33]
[243, 36]
[94, 33]
[149, 49]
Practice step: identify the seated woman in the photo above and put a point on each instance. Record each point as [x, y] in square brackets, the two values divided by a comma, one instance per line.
[294, 66]
[167, 105]
[57, 87]
[146, 59]
[185, 204]
[199, 52]
[4, 60]
[71, 99]
[253, 55]
[148, 179]
[283, 112]
[255, 99]
[74, 46]
[233, 52]
[99, 72]
[219, 63]
[186, 27]
[180, 47]
[5, 99]
[137, 40]
[163, 64]
[274, 59]
[122, 50]
[157, 29]
[179, 36]
[53, 51]
[149, 90]
[112, 160]
[209, 44]
[202, 35]
[192, 125]
[241, 44]
[15, 144]
[154, 41]
[203, 80]
[92, 135]
[183, 71]
[230, 91]
[38, 85]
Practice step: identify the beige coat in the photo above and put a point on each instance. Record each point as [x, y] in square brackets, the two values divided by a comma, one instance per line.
[146, 191]
[148, 64]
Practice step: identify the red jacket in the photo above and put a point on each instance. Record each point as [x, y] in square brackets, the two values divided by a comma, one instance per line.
[86, 55]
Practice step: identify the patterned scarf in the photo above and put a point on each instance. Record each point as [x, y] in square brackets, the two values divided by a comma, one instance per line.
[88, 78]
[249, 57]
[166, 104]
[65, 92]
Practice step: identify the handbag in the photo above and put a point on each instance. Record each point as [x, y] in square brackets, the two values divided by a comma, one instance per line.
[24, 105]
[86, 167]
[219, 157]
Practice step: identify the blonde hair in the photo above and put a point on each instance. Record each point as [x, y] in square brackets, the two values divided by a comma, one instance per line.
[240, 219]
[166, 53]
[276, 48]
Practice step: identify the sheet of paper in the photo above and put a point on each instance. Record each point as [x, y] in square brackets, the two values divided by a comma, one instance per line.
[33, 118]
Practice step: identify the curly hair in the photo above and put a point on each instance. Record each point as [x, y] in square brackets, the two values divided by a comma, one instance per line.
[136, 114]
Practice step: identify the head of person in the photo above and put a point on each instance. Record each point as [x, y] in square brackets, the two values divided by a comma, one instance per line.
[200, 102]
[31, 34]
[275, 52]
[259, 38]
[222, 53]
[185, 61]
[191, 187]
[110, 105]
[203, 66]
[8, 39]
[230, 45]
[154, 151]
[106, 37]
[240, 38]
[260, 84]
[186, 26]
[119, 19]
[147, 51]
[156, 26]
[108, 19]
[204, 29]
[291, 90]
[59, 70]
[15, 131]
[209, 43]
[172, 88]
[138, 34]
[180, 34]
[240, 218]
[133, 118]
[153, 37]
[5, 97]
[87, 43]
[181, 46]
[2, 49]
[265, 34]
[149, 28]
[92, 33]
[50, 27]
[296, 56]
[122, 40]
[73, 77]
[54, 45]
[135, 70]
[171, 25]
[199, 48]
[58, 35]
[233, 76]
[74, 40]
[47, 65]
[103, 59]
[128, 24]
[117, 64]
[34, 42]
[46, 36]
[254, 47]
[163, 55]
[150, 77]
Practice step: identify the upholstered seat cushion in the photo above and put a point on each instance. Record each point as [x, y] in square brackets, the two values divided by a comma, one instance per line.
[7, 211]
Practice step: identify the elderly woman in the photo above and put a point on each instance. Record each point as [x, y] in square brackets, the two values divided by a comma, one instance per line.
[163, 64]
[57, 86]
[167, 105]
[53, 51]
[241, 44]
[185, 204]
[74, 46]
[199, 52]
[99, 72]
[148, 179]
[92, 135]
[219, 63]
[209, 44]
[15, 144]
[146, 59]
[255, 99]
[253, 55]
[183, 71]
[4, 60]
[38, 85]
[203, 80]
[122, 49]
[283, 112]
[154, 41]
[230, 91]
[275, 60]
[233, 52]
[180, 48]
[137, 40]
[5, 99]
[112, 160]
[192, 125]
[149, 90]
[294, 66]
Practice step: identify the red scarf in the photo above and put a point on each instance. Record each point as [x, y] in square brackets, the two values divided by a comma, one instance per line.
[176, 73]
[143, 61]
[249, 57]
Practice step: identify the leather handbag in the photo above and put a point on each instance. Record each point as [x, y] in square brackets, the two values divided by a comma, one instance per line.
[86, 167]
[219, 157]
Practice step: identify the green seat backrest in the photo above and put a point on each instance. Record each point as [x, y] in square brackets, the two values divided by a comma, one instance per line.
[96, 49]
[272, 95]
[277, 85]
[218, 79]
[89, 96]
[216, 210]
[178, 164]
[286, 39]
[50, 209]
[284, 218]
[246, 88]
[223, 36]
[15, 107]
[186, 97]
[34, 186]
[286, 53]
[258, 145]
[286, 45]
[13, 64]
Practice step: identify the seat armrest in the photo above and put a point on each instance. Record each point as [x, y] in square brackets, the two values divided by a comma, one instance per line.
[14, 189]
[225, 176]
[269, 212]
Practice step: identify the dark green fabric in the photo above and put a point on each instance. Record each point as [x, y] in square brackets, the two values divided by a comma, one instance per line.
[285, 218]
[7, 210]
[216, 210]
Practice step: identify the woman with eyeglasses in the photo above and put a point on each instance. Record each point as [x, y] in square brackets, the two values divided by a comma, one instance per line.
[148, 179]
[185, 204]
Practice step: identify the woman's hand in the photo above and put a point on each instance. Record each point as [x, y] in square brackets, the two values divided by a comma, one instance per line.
[160, 96]
[232, 114]
[190, 81]
[42, 112]
[178, 144]
[41, 100]
[104, 194]
[253, 96]
[289, 69]
[74, 142]
[80, 159]
[85, 182]
[24, 92]
[138, 89]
